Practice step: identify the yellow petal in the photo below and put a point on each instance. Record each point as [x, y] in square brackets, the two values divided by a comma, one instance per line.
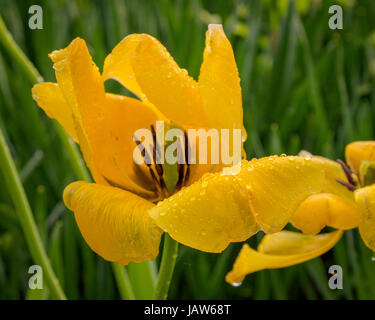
[144, 66]
[219, 82]
[325, 209]
[359, 151]
[219, 209]
[117, 64]
[282, 249]
[365, 198]
[114, 223]
[48, 96]
[83, 89]
[114, 144]
[104, 123]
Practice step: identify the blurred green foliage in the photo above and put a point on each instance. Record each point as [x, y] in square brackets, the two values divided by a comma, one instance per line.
[304, 87]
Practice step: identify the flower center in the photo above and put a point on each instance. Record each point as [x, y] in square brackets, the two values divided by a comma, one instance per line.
[160, 173]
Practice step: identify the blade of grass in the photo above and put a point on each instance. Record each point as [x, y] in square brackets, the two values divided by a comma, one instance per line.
[125, 288]
[26, 218]
[323, 135]
[34, 76]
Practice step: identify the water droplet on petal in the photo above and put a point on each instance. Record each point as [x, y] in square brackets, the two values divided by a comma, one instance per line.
[236, 284]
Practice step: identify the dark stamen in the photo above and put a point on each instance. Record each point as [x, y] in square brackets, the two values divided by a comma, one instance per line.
[144, 152]
[156, 170]
[187, 148]
[347, 171]
[187, 174]
[180, 167]
[187, 154]
[156, 153]
[350, 186]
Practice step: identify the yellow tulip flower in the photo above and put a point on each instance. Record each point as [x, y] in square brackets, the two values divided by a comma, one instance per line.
[333, 207]
[123, 214]
[113, 213]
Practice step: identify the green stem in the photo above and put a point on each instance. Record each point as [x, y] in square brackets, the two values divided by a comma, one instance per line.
[74, 156]
[26, 218]
[123, 282]
[168, 262]
[143, 278]
[14, 50]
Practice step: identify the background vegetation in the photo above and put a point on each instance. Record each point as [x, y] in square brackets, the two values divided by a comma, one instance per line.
[304, 87]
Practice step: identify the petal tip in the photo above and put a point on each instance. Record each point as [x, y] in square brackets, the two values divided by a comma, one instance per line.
[69, 191]
[34, 92]
[214, 26]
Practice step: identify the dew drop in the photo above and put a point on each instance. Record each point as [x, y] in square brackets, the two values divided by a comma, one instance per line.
[236, 284]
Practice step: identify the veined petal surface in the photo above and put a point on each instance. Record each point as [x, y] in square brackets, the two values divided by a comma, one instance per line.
[325, 209]
[115, 223]
[143, 65]
[117, 64]
[104, 123]
[219, 209]
[219, 83]
[281, 249]
[365, 199]
[49, 97]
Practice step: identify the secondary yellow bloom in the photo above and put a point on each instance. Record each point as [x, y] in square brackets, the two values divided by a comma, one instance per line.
[333, 207]
[113, 213]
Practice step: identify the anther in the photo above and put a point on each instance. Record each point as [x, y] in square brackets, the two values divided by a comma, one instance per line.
[350, 186]
[347, 171]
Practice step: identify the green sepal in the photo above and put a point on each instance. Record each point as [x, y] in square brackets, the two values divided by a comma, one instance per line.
[367, 173]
